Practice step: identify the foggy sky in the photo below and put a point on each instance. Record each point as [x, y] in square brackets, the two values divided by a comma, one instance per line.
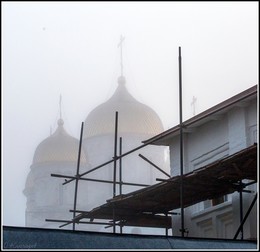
[70, 48]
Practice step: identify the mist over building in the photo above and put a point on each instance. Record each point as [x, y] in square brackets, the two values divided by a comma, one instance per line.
[228, 129]
[225, 131]
[47, 198]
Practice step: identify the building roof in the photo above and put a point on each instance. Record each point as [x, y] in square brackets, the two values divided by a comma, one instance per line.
[133, 116]
[241, 99]
[36, 238]
[143, 207]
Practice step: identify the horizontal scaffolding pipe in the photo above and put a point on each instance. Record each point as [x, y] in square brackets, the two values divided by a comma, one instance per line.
[80, 222]
[154, 165]
[98, 180]
[165, 180]
[248, 191]
[79, 211]
[112, 160]
[250, 183]
[174, 213]
[53, 220]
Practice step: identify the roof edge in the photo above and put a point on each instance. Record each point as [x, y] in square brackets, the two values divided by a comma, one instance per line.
[234, 99]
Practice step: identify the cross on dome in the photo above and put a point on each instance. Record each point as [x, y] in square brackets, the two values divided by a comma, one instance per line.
[121, 49]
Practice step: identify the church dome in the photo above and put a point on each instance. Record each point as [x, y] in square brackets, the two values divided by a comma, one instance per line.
[133, 116]
[59, 147]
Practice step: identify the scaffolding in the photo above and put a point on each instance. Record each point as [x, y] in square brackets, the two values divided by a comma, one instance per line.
[152, 206]
[117, 158]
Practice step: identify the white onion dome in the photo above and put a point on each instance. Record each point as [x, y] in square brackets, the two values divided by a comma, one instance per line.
[133, 116]
[59, 147]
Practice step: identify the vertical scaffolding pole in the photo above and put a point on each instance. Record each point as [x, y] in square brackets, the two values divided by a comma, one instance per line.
[115, 155]
[77, 176]
[120, 173]
[120, 165]
[181, 145]
[241, 208]
[115, 160]
[166, 229]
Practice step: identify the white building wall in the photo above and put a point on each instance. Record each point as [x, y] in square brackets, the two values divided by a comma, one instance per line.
[251, 112]
[237, 130]
[223, 136]
[201, 146]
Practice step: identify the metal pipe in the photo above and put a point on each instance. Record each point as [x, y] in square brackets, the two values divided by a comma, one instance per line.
[112, 182]
[165, 180]
[166, 229]
[245, 217]
[115, 154]
[115, 159]
[120, 174]
[98, 180]
[79, 211]
[181, 145]
[248, 191]
[241, 208]
[80, 222]
[114, 222]
[110, 161]
[65, 224]
[154, 165]
[77, 174]
[85, 173]
[250, 183]
[120, 166]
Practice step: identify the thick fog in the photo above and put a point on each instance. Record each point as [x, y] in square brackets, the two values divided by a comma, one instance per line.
[71, 48]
